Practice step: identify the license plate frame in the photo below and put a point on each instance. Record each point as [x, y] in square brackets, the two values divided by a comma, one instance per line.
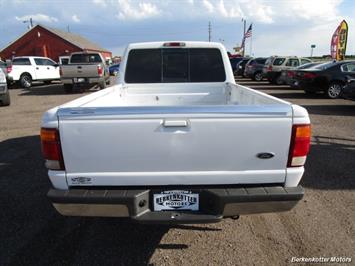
[176, 200]
[79, 80]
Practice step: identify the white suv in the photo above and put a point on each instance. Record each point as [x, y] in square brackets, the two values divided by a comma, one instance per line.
[274, 65]
[26, 69]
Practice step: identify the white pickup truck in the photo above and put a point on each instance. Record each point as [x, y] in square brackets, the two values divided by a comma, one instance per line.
[176, 141]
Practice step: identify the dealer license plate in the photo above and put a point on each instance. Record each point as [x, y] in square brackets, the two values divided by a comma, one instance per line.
[79, 80]
[176, 200]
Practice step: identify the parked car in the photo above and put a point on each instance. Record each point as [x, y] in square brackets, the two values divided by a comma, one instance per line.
[114, 69]
[274, 65]
[288, 76]
[84, 69]
[234, 61]
[142, 148]
[26, 69]
[4, 92]
[328, 77]
[241, 67]
[348, 91]
[254, 68]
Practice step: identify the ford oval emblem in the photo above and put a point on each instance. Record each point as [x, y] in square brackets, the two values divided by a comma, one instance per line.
[265, 155]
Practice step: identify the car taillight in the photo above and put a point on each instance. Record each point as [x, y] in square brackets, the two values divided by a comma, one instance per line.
[290, 74]
[299, 147]
[269, 68]
[60, 71]
[309, 75]
[99, 70]
[8, 69]
[51, 149]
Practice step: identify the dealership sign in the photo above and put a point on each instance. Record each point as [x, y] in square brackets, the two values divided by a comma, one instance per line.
[339, 40]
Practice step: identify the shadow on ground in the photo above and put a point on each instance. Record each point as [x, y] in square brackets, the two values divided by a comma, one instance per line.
[32, 233]
[330, 164]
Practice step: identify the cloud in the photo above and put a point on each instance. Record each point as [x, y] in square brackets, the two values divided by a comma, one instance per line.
[207, 4]
[38, 18]
[101, 3]
[75, 18]
[128, 10]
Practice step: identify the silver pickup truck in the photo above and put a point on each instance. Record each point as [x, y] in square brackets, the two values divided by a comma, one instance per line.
[176, 141]
[84, 69]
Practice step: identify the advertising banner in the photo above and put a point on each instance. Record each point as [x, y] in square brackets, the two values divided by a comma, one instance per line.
[338, 42]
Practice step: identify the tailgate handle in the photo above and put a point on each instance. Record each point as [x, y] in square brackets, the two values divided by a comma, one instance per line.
[175, 123]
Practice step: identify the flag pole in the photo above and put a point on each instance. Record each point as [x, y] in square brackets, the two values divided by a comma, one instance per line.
[251, 45]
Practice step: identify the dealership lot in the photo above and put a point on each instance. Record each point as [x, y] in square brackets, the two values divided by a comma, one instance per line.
[323, 224]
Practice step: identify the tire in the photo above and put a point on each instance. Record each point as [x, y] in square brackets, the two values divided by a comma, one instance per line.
[258, 76]
[26, 81]
[102, 85]
[68, 88]
[6, 100]
[334, 90]
[278, 80]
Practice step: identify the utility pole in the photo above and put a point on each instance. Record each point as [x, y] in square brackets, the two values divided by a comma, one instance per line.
[68, 29]
[30, 26]
[209, 31]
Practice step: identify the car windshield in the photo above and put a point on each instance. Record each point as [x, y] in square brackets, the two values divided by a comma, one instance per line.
[279, 61]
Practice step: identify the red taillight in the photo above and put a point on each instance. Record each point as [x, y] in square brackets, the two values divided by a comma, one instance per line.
[309, 75]
[99, 70]
[290, 74]
[174, 44]
[299, 147]
[8, 69]
[51, 148]
[269, 68]
[60, 71]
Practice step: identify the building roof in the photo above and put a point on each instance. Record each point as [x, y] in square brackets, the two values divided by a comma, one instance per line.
[72, 38]
[75, 39]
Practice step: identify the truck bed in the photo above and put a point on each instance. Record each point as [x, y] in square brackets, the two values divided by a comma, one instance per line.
[132, 137]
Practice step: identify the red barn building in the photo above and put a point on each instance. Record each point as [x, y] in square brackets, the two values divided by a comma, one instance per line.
[48, 42]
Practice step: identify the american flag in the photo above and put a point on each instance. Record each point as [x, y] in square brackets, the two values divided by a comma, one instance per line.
[248, 34]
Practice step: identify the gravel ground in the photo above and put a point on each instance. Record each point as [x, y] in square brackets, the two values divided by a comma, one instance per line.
[322, 224]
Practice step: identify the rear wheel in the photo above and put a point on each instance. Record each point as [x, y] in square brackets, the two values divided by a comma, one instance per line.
[102, 85]
[334, 90]
[278, 80]
[68, 88]
[258, 76]
[26, 81]
[6, 100]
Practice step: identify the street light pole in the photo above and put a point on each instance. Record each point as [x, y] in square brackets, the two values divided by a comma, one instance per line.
[312, 47]
[244, 28]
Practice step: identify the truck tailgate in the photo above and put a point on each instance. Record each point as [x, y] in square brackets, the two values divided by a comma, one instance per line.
[153, 146]
[79, 71]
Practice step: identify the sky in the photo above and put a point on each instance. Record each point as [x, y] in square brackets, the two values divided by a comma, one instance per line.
[280, 27]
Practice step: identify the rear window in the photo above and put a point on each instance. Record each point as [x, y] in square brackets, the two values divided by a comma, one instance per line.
[173, 65]
[261, 61]
[85, 58]
[325, 65]
[21, 62]
[279, 61]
